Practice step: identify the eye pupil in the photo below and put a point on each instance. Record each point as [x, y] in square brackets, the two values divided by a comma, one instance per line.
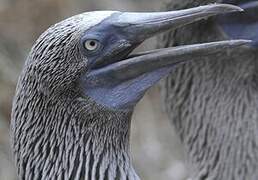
[92, 43]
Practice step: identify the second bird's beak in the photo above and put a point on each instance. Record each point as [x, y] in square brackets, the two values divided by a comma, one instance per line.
[140, 71]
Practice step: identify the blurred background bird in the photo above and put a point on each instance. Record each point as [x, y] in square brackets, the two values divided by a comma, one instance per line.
[213, 103]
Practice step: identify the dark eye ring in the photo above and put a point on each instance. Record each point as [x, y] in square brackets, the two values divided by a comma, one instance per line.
[91, 44]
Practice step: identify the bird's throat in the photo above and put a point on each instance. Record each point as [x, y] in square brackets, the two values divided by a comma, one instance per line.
[71, 143]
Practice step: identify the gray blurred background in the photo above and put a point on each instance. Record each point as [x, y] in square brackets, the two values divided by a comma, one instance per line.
[156, 151]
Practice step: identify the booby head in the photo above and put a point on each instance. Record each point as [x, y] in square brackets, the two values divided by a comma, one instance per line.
[93, 50]
[74, 99]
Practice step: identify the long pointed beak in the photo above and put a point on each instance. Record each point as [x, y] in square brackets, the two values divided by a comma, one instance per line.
[119, 81]
[133, 28]
[136, 27]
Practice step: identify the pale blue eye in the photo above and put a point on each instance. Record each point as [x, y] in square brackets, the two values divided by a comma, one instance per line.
[91, 45]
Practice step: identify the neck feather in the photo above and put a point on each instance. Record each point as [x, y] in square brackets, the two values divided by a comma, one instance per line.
[70, 139]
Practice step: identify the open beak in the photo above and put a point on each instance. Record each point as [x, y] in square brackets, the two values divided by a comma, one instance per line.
[140, 71]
